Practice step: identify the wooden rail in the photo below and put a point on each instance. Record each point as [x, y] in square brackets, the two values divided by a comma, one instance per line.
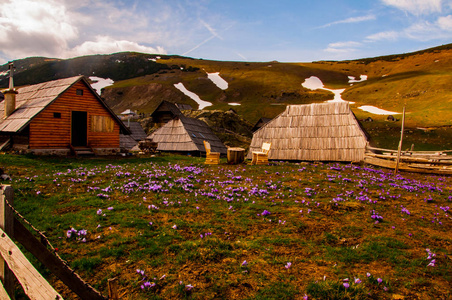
[34, 285]
[434, 162]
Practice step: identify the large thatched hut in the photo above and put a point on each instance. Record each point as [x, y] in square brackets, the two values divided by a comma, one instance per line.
[313, 132]
[184, 134]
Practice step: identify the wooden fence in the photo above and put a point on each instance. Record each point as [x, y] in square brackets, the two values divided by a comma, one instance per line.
[14, 264]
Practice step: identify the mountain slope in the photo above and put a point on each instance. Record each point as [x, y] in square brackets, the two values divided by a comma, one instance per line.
[420, 81]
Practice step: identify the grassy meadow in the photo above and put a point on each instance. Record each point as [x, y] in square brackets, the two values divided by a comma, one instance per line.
[170, 227]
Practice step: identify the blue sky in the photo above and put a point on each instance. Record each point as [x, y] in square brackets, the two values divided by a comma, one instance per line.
[246, 30]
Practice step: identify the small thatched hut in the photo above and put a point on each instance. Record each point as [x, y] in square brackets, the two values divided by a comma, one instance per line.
[313, 132]
[184, 134]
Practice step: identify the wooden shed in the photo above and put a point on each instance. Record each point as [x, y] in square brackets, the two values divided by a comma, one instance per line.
[313, 132]
[184, 134]
[129, 141]
[261, 122]
[165, 112]
[57, 116]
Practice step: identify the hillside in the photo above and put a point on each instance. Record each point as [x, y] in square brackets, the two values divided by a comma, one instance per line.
[419, 80]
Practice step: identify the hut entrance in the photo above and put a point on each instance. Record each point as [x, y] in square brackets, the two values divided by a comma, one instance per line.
[79, 128]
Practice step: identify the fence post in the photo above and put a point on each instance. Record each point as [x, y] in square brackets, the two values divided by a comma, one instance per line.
[6, 223]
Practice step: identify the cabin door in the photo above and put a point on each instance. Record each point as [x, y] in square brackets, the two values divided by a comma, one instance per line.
[79, 128]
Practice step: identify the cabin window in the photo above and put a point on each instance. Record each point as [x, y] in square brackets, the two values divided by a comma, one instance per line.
[102, 124]
[79, 92]
[57, 115]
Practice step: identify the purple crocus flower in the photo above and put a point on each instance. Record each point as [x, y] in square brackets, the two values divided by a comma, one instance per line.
[346, 285]
[265, 213]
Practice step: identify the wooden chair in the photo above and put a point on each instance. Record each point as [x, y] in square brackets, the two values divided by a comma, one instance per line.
[212, 158]
[261, 157]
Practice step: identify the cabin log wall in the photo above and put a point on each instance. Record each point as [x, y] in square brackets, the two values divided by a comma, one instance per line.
[47, 132]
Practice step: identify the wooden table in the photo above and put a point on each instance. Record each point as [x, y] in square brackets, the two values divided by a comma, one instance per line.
[236, 155]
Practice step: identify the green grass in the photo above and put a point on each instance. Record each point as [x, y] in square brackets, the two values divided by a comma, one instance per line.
[200, 232]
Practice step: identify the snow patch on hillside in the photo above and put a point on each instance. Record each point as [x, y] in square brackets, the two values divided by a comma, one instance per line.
[218, 80]
[234, 104]
[351, 79]
[314, 83]
[99, 83]
[180, 86]
[377, 111]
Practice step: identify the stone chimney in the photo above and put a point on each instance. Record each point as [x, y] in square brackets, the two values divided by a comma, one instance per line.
[10, 94]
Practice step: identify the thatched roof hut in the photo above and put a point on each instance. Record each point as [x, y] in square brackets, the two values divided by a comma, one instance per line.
[184, 134]
[313, 132]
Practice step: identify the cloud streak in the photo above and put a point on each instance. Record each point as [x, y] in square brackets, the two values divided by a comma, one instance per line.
[351, 20]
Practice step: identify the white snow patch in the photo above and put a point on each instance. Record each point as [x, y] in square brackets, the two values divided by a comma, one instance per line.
[234, 104]
[153, 59]
[99, 83]
[337, 95]
[314, 83]
[219, 82]
[377, 111]
[180, 86]
[351, 79]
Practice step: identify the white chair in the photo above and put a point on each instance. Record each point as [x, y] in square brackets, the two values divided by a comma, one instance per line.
[261, 157]
[212, 158]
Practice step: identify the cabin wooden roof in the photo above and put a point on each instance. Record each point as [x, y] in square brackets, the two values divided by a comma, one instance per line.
[183, 106]
[32, 99]
[313, 132]
[131, 140]
[260, 123]
[166, 106]
[186, 134]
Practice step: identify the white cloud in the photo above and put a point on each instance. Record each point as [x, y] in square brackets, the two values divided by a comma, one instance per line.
[416, 7]
[445, 23]
[107, 45]
[385, 35]
[351, 20]
[71, 28]
[419, 31]
[343, 47]
[37, 27]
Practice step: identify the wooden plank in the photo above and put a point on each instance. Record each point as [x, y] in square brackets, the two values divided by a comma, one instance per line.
[113, 289]
[34, 285]
[3, 294]
[54, 263]
[405, 167]
[6, 223]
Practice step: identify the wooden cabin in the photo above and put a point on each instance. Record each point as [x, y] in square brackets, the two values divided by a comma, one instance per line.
[165, 112]
[261, 122]
[313, 132]
[129, 141]
[186, 135]
[59, 117]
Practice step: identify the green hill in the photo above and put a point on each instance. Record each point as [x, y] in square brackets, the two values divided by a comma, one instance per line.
[419, 80]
